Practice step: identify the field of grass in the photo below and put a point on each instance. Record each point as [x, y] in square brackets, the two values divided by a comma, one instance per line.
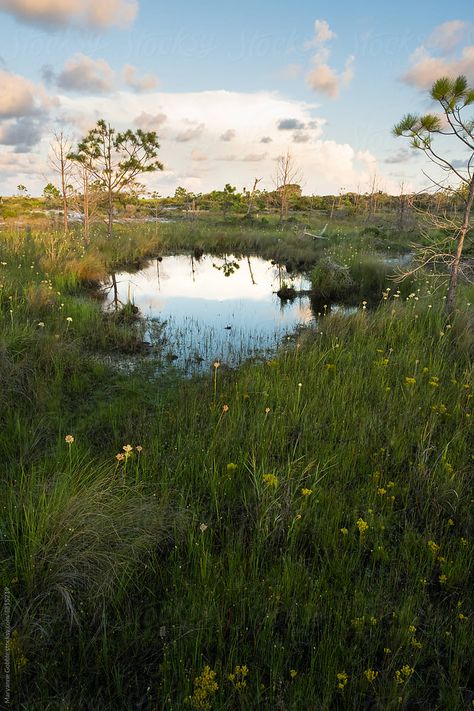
[293, 534]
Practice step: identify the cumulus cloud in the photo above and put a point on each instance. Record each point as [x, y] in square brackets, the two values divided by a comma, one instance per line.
[150, 122]
[301, 138]
[147, 82]
[427, 68]
[198, 156]
[322, 77]
[95, 14]
[254, 157]
[322, 34]
[22, 133]
[447, 36]
[20, 96]
[326, 165]
[290, 124]
[228, 135]
[435, 59]
[190, 134]
[86, 75]
[17, 166]
[325, 79]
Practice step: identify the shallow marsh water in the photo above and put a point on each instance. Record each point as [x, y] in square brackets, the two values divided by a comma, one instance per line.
[214, 308]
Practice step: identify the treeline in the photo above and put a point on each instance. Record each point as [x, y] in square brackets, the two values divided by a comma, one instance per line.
[230, 201]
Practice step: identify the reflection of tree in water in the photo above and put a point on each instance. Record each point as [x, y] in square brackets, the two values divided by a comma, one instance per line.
[113, 287]
[228, 268]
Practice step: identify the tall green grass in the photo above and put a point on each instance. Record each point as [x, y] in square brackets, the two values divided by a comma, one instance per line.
[304, 517]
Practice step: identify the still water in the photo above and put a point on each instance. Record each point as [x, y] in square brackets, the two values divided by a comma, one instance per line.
[211, 308]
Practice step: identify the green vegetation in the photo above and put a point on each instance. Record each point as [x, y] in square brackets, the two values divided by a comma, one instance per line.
[294, 531]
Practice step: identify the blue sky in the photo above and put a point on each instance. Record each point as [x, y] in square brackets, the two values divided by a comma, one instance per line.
[228, 87]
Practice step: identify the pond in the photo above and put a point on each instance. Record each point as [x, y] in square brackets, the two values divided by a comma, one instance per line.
[214, 308]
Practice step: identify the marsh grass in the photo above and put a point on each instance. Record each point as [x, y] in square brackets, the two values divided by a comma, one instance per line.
[307, 516]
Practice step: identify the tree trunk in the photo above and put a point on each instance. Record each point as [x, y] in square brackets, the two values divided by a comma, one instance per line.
[86, 205]
[453, 280]
[110, 215]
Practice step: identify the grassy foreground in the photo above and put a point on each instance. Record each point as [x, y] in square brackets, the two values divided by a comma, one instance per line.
[296, 534]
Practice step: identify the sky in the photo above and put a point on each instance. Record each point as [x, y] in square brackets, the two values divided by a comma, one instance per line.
[230, 87]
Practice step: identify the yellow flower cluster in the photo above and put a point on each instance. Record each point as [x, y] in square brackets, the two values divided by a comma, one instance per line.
[403, 674]
[371, 675]
[205, 686]
[306, 492]
[270, 480]
[342, 680]
[238, 677]
[362, 526]
[434, 548]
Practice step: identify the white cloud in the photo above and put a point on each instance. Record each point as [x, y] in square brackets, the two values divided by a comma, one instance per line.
[201, 118]
[322, 34]
[20, 96]
[447, 36]
[145, 83]
[191, 133]
[96, 14]
[429, 62]
[198, 156]
[326, 80]
[322, 77]
[22, 133]
[86, 75]
[150, 122]
[228, 135]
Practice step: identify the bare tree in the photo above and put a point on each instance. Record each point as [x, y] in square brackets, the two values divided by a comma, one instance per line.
[86, 198]
[59, 161]
[453, 95]
[287, 179]
[251, 196]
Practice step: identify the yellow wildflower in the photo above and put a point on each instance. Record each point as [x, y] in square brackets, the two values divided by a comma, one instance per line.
[434, 548]
[344, 531]
[362, 526]
[270, 479]
[238, 678]
[69, 439]
[410, 381]
[342, 680]
[401, 675]
[371, 675]
[231, 467]
[205, 686]
[293, 673]
[306, 492]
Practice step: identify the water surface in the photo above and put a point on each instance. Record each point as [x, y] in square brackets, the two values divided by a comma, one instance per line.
[214, 308]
